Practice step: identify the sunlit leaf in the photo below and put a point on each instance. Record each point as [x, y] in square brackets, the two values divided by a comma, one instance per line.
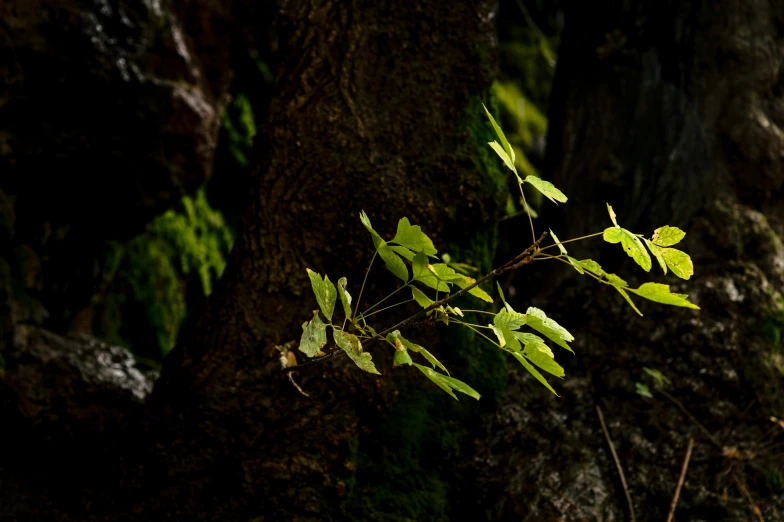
[475, 291]
[643, 390]
[547, 189]
[373, 234]
[438, 275]
[412, 237]
[500, 292]
[393, 262]
[631, 245]
[539, 354]
[499, 334]
[500, 133]
[628, 299]
[350, 344]
[658, 376]
[401, 355]
[511, 319]
[557, 242]
[576, 264]
[416, 348]
[661, 294]
[593, 267]
[533, 371]
[448, 383]
[511, 342]
[504, 156]
[667, 236]
[403, 252]
[657, 253]
[314, 336]
[612, 214]
[526, 337]
[325, 291]
[679, 262]
[536, 319]
[345, 297]
[420, 297]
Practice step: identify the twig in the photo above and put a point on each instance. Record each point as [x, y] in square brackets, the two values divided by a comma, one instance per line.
[685, 466]
[617, 462]
[754, 506]
[521, 259]
[692, 418]
[291, 378]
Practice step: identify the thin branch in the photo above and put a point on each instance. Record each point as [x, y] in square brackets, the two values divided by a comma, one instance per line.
[617, 462]
[685, 466]
[366, 315]
[691, 418]
[572, 240]
[521, 259]
[527, 211]
[754, 507]
[356, 306]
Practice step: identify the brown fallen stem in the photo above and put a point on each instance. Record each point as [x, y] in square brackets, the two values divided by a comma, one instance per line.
[685, 466]
[521, 259]
[754, 507]
[617, 462]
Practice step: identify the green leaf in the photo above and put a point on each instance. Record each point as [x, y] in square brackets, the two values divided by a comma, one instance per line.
[667, 236]
[373, 234]
[628, 299]
[657, 253]
[658, 376]
[643, 390]
[350, 344]
[615, 280]
[438, 275]
[499, 334]
[314, 336]
[557, 242]
[345, 297]
[508, 161]
[412, 237]
[498, 132]
[326, 293]
[679, 262]
[576, 264]
[402, 357]
[393, 262]
[593, 267]
[536, 319]
[403, 252]
[419, 266]
[415, 348]
[612, 215]
[539, 354]
[475, 291]
[500, 292]
[448, 383]
[511, 342]
[661, 294]
[533, 371]
[631, 245]
[511, 319]
[525, 337]
[547, 189]
[420, 297]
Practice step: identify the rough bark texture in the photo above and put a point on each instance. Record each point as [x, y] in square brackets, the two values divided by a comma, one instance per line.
[670, 111]
[376, 108]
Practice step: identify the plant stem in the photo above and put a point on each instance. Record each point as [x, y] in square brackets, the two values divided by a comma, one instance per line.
[523, 258]
[530, 220]
[365, 313]
[571, 240]
[356, 306]
[364, 316]
[480, 333]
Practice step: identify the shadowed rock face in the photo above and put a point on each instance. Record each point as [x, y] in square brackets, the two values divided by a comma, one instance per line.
[109, 109]
[109, 112]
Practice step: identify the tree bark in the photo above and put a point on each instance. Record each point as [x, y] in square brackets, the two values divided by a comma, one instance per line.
[377, 107]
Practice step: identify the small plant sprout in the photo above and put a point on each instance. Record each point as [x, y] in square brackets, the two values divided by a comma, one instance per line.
[433, 283]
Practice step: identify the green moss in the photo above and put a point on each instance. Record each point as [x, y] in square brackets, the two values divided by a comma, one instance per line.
[240, 124]
[152, 272]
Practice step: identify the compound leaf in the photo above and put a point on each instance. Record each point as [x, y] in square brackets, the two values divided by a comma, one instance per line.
[547, 189]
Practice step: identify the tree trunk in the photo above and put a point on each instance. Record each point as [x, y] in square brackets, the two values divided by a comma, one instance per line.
[377, 107]
[672, 113]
